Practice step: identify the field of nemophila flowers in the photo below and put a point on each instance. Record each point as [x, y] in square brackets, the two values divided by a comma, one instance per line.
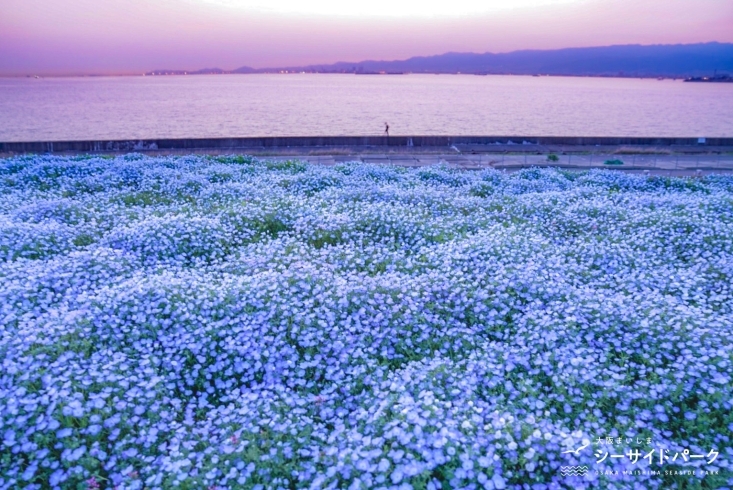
[197, 322]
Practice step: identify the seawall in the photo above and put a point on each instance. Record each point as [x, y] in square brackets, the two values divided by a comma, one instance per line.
[483, 144]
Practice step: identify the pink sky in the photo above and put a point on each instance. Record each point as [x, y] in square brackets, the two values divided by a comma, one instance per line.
[132, 36]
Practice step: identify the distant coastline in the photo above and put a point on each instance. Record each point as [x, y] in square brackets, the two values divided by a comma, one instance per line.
[163, 73]
[713, 79]
[697, 62]
[176, 73]
[623, 61]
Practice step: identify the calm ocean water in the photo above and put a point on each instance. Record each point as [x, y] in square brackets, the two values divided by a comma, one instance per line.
[306, 104]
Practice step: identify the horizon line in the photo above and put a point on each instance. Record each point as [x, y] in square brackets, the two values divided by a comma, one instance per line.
[312, 67]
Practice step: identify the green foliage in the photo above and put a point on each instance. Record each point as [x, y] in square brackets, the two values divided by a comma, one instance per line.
[144, 198]
[238, 159]
[482, 189]
[292, 166]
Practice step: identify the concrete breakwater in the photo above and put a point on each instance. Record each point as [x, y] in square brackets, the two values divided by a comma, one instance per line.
[481, 144]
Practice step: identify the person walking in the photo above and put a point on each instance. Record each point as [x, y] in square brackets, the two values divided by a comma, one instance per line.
[386, 129]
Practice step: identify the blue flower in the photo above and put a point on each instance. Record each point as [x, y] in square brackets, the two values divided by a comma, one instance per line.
[200, 321]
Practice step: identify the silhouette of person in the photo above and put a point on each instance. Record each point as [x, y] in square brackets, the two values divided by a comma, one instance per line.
[386, 129]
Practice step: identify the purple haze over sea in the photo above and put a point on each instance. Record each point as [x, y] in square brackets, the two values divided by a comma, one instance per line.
[48, 37]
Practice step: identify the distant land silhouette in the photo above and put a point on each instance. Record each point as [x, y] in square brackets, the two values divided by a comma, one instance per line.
[662, 60]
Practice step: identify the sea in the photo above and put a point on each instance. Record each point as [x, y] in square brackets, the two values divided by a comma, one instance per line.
[203, 106]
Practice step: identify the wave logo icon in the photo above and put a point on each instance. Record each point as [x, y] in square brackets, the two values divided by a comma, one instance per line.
[573, 470]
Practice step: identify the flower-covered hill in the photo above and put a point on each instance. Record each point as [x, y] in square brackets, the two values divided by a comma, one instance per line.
[198, 322]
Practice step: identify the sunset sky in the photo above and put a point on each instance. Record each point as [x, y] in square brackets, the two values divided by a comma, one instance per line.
[132, 36]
